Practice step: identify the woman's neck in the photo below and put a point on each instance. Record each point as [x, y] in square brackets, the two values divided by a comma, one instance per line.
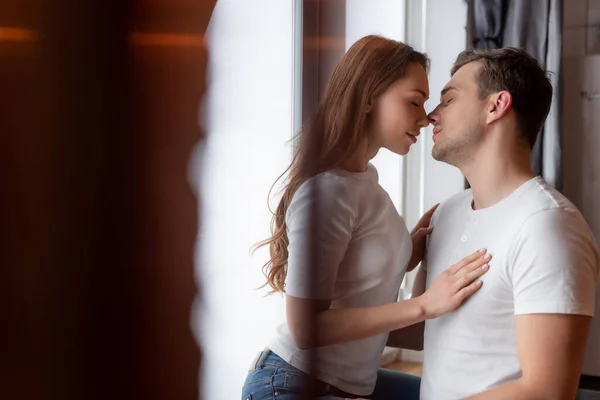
[359, 161]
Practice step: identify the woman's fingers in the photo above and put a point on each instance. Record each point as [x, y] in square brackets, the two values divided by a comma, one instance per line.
[468, 277]
[468, 290]
[430, 212]
[458, 282]
[424, 231]
[474, 265]
[471, 258]
[425, 219]
[472, 270]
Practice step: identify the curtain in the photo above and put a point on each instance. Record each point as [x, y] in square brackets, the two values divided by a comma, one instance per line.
[536, 27]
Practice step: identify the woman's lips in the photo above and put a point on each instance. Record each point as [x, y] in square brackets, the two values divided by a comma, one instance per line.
[413, 136]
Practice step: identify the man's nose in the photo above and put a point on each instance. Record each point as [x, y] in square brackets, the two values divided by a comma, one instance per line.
[434, 116]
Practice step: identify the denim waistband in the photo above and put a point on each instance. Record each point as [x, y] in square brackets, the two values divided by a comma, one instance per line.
[268, 358]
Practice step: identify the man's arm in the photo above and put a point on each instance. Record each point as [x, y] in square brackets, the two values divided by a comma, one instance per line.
[553, 266]
[550, 349]
[411, 337]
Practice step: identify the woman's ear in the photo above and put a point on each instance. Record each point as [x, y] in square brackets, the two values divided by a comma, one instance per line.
[369, 106]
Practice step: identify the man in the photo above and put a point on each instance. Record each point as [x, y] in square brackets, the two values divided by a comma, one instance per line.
[523, 335]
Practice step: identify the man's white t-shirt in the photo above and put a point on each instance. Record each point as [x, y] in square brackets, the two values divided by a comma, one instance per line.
[545, 260]
[362, 251]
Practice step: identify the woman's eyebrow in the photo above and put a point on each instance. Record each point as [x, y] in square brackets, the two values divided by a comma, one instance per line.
[425, 95]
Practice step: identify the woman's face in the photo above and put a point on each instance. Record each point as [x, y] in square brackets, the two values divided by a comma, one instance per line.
[399, 113]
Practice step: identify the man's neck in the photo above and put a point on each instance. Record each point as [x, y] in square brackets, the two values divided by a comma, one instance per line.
[495, 175]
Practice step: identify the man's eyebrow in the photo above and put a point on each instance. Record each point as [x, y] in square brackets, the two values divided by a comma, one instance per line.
[447, 89]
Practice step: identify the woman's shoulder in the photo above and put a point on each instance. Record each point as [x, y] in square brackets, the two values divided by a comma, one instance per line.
[327, 186]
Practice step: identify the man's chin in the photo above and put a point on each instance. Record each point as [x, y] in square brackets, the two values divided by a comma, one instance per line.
[437, 154]
[443, 157]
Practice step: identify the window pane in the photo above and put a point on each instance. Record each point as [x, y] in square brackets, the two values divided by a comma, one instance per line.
[248, 110]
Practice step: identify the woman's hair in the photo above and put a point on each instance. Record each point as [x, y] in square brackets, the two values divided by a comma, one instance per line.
[340, 125]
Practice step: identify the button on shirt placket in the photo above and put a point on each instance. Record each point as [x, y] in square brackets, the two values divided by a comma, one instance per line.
[461, 249]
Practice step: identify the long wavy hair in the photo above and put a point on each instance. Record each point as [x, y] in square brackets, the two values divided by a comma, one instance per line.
[340, 126]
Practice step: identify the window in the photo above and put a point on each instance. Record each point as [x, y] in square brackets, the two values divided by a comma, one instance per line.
[249, 114]
[253, 109]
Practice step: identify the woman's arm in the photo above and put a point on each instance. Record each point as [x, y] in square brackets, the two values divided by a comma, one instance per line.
[411, 337]
[313, 324]
[419, 237]
[420, 281]
[344, 325]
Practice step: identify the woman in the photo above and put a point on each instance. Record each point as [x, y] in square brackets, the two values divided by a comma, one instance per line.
[339, 248]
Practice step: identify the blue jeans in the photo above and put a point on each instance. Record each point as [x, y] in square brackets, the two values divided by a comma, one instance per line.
[272, 378]
[395, 385]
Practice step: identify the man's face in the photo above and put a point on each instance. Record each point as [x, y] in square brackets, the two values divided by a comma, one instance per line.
[459, 120]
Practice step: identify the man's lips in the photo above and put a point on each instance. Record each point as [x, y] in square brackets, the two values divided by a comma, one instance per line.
[436, 131]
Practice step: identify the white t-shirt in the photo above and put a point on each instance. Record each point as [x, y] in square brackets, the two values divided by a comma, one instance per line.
[545, 260]
[362, 251]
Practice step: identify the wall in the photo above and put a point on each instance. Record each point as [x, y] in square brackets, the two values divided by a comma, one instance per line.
[581, 128]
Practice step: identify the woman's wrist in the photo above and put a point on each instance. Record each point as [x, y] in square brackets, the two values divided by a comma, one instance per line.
[414, 258]
[417, 311]
[422, 304]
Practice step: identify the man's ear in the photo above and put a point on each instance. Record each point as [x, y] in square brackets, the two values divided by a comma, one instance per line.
[499, 104]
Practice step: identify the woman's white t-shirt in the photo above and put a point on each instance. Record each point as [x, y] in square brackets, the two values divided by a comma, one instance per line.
[361, 251]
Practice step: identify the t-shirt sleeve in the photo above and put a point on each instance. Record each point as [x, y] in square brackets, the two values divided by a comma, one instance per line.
[313, 274]
[554, 264]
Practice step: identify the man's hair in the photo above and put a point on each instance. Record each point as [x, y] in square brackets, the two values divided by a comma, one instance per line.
[519, 73]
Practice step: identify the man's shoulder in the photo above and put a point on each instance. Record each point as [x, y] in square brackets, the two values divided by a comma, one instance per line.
[550, 223]
[561, 221]
[542, 202]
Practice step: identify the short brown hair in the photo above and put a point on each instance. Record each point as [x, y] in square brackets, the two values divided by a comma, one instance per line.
[519, 73]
